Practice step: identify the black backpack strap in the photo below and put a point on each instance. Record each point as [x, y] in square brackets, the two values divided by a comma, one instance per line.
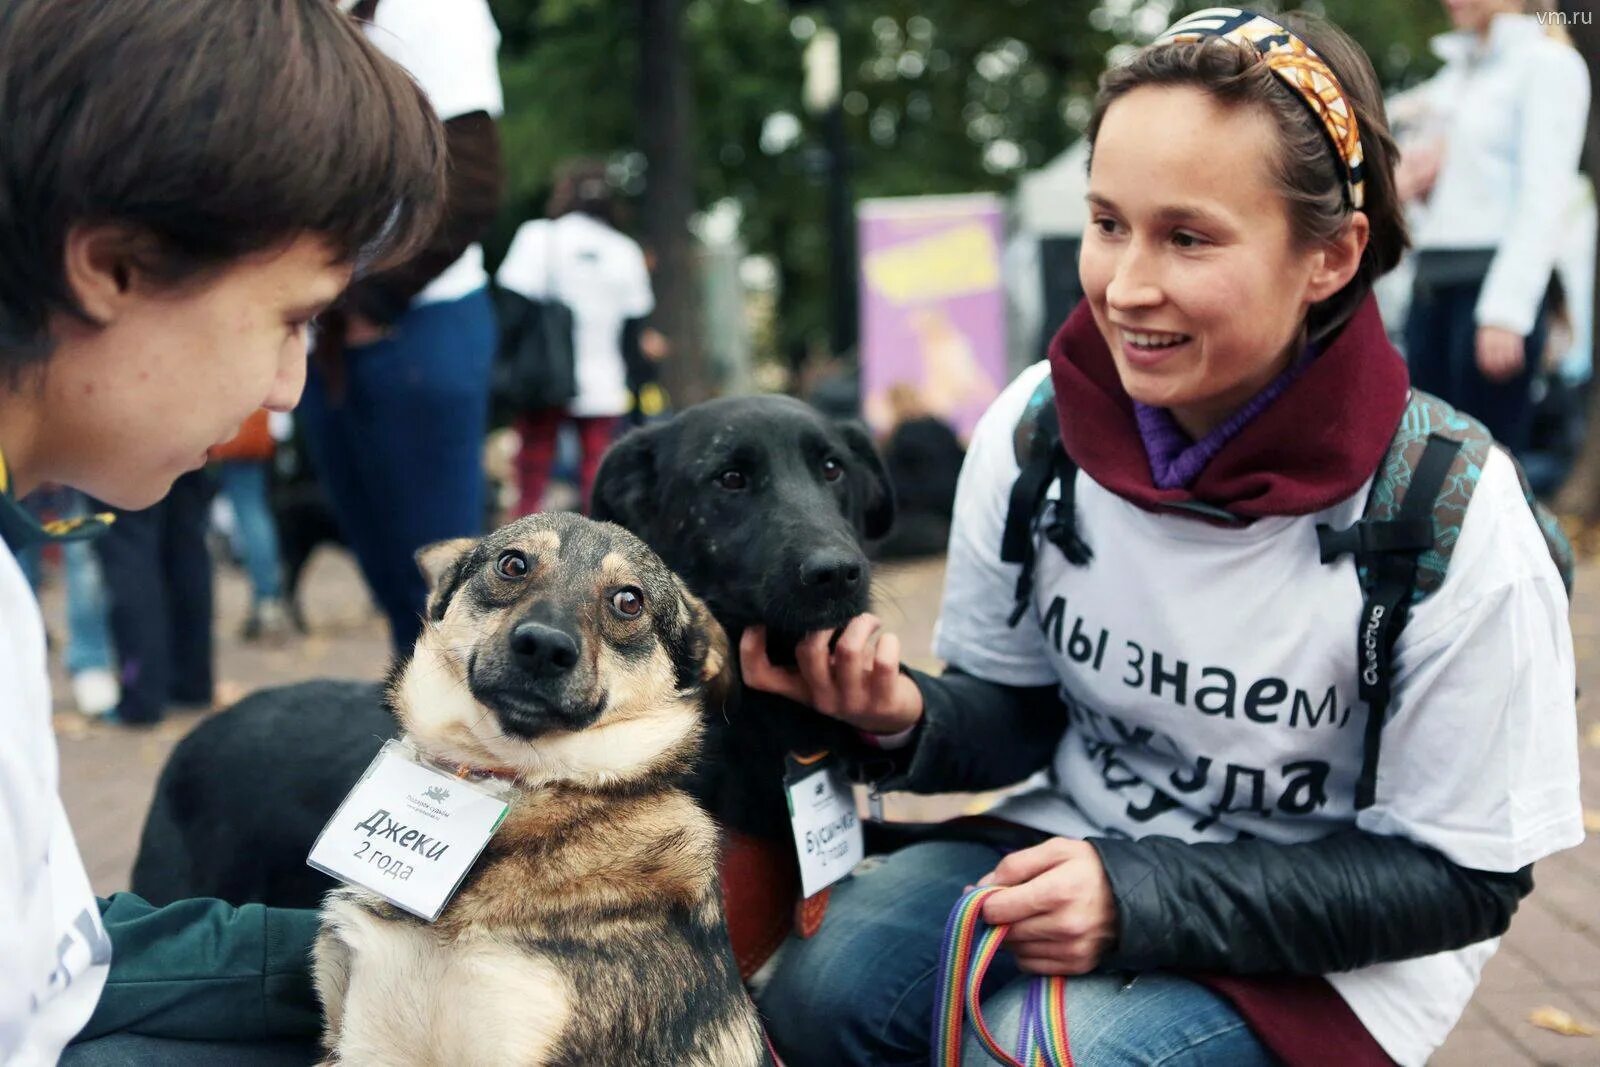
[1386, 553]
[1043, 462]
[1016, 543]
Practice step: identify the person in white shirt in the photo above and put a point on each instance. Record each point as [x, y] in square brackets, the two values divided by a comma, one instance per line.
[397, 402]
[165, 241]
[1210, 842]
[1493, 144]
[579, 258]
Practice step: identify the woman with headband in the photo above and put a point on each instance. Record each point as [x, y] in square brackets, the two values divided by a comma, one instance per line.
[1179, 648]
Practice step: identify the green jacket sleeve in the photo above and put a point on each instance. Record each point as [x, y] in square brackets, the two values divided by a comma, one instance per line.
[206, 970]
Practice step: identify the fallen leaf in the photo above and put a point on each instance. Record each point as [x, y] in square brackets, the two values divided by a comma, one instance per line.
[1559, 1021]
[1591, 820]
[1592, 738]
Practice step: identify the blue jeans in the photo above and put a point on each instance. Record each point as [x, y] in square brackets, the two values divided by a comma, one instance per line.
[860, 993]
[244, 482]
[399, 448]
[1442, 354]
[88, 623]
[157, 571]
[89, 635]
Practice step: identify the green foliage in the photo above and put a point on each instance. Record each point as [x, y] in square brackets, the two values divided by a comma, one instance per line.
[942, 96]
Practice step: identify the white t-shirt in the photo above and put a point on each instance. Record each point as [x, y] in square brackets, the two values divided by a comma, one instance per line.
[450, 47]
[54, 954]
[601, 275]
[1210, 675]
[1510, 112]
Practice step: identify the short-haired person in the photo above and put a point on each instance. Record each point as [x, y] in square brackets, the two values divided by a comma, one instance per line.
[1207, 855]
[183, 187]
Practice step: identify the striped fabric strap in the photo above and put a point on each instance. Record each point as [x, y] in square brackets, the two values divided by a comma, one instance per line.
[969, 947]
[19, 528]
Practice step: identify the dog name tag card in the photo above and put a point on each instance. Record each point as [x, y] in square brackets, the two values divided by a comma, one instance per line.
[408, 832]
[827, 830]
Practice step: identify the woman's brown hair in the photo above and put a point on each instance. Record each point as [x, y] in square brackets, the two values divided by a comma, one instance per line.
[211, 130]
[1307, 169]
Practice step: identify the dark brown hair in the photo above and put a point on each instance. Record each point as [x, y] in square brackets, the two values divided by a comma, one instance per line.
[212, 130]
[583, 185]
[1308, 172]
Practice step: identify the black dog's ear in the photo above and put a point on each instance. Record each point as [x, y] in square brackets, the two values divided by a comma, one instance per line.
[706, 657]
[873, 483]
[625, 486]
[441, 564]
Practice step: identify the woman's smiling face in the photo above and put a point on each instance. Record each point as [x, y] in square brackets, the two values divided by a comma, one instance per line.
[1189, 264]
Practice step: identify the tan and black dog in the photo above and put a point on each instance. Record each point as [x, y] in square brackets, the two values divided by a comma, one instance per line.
[562, 656]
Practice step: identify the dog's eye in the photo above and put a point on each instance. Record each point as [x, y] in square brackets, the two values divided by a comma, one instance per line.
[511, 565]
[732, 479]
[832, 469]
[628, 602]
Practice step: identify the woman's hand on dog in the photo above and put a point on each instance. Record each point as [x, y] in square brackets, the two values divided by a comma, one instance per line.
[857, 680]
[1058, 904]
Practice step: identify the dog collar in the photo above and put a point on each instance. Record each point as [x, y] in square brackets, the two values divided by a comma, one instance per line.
[474, 774]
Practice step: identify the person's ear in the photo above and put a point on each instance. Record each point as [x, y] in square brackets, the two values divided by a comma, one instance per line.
[1339, 259]
[100, 263]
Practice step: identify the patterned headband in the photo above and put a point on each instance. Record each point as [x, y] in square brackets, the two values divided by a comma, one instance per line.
[1298, 67]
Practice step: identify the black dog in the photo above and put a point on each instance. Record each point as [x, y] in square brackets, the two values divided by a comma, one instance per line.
[243, 796]
[761, 504]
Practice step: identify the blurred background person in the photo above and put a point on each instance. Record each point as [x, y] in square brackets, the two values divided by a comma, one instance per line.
[922, 456]
[578, 257]
[244, 468]
[157, 570]
[1488, 168]
[396, 404]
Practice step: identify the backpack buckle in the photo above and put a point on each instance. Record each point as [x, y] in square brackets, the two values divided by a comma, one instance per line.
[1368, 536]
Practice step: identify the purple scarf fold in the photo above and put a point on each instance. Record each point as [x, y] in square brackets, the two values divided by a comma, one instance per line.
[1175, 460]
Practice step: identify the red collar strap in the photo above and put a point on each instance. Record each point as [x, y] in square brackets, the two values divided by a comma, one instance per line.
[474, 774]
[1312, 447]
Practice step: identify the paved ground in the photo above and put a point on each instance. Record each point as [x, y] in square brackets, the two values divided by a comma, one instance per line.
[1550, 959]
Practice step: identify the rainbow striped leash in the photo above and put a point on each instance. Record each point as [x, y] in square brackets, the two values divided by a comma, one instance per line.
[969, 947]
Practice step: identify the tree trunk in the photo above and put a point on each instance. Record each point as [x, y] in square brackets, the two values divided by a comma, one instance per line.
[667, 137]
[1579, 497]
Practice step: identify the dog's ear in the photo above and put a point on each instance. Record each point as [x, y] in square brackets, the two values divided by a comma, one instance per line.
[625, 486]
[708, 659]
[442, 567]
[872, 482]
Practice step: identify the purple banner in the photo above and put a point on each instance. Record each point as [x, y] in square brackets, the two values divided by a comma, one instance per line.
[933, 316]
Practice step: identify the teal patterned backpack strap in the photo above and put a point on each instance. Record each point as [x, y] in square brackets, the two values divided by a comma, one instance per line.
[1028, 435]
[1403, 542]
[1426, 416]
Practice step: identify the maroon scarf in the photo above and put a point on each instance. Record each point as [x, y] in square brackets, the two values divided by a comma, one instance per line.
[1312, 447]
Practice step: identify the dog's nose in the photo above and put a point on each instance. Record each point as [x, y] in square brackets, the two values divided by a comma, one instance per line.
[830, 571]
[543, 651]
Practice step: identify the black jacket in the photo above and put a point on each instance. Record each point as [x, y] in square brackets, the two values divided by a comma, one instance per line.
[1246, 907]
